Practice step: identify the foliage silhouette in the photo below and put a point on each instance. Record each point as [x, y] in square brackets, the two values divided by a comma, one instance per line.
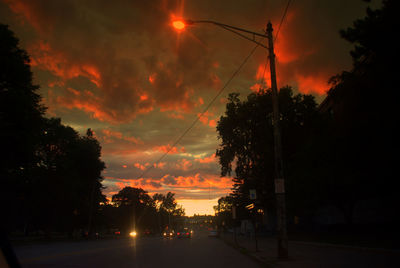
[246, 138]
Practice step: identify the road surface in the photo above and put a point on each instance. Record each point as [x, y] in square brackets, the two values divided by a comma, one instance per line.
[199, 251]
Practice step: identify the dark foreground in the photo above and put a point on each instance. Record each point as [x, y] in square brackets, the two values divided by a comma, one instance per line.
[199, 251]
[315, 255]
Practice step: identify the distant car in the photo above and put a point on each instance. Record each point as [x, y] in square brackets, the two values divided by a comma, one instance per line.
[184, 233]
[213, 233]
[116, 232]
[147, 232]
[168, 234]
[133, 234]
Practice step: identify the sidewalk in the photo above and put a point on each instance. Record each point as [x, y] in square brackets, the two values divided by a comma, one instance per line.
[310, 255]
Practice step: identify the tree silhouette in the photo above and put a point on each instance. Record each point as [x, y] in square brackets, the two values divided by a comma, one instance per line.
[246, 138]
[364, 134]
[21, 123]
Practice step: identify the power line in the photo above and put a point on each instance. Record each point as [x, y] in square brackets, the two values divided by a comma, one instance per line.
[283, 17]
[202, 113]
[262, 79]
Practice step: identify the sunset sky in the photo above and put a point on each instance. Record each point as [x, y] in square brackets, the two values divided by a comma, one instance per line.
[121, 69]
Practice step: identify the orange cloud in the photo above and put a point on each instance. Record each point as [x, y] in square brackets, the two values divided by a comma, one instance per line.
[204, 118]
[207, 160]
[184, 104]
[168, 148]
[160, 165]
[202, 182]
[175, 115]
[284, 49]
[183, 164]
[120, 185]
[44, 57]
[152, 78]
[118, 151]
[256, 87]
[216, 81]
[139, 166]
[27, 14]
[195, 186]
[201, 101]
[86, 102]
[110, 136]
[263, 75]
[312, 84]
[212, 123]
[146, 184]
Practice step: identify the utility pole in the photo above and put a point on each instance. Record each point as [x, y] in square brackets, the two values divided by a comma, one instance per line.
[279, 179]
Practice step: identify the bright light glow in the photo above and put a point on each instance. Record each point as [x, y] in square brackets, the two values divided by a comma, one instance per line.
[179, 24]
[198, 206]
[133, 233]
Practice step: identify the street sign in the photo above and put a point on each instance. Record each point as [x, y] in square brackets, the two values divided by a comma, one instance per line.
[253, 194]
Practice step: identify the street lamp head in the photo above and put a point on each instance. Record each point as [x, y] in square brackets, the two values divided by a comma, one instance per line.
[181, 24]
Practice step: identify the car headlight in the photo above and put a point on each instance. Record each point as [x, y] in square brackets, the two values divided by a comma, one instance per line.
[133, 234]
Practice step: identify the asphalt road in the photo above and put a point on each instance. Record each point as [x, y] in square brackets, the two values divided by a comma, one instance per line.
[198, 251]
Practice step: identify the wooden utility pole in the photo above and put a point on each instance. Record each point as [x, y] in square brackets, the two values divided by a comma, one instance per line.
[279, 179]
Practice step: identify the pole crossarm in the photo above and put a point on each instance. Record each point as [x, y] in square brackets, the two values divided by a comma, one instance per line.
[232, 29]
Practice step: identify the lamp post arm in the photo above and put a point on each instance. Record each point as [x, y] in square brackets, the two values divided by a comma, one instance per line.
[233, 29]
[243, 36]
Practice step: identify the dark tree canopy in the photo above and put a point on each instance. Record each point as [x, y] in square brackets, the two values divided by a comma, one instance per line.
[21, 122]
[130, 196]
[350, 159]
[366, 98]
[167, 203]
[135, 209]
[245, 132]
[20, 108]
[50, 172]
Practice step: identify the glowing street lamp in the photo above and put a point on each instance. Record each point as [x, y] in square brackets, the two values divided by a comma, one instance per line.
[279, 178]
[179, 24]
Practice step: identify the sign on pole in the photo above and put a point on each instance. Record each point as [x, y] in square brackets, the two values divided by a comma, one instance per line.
[253, 194]
[279, 186]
